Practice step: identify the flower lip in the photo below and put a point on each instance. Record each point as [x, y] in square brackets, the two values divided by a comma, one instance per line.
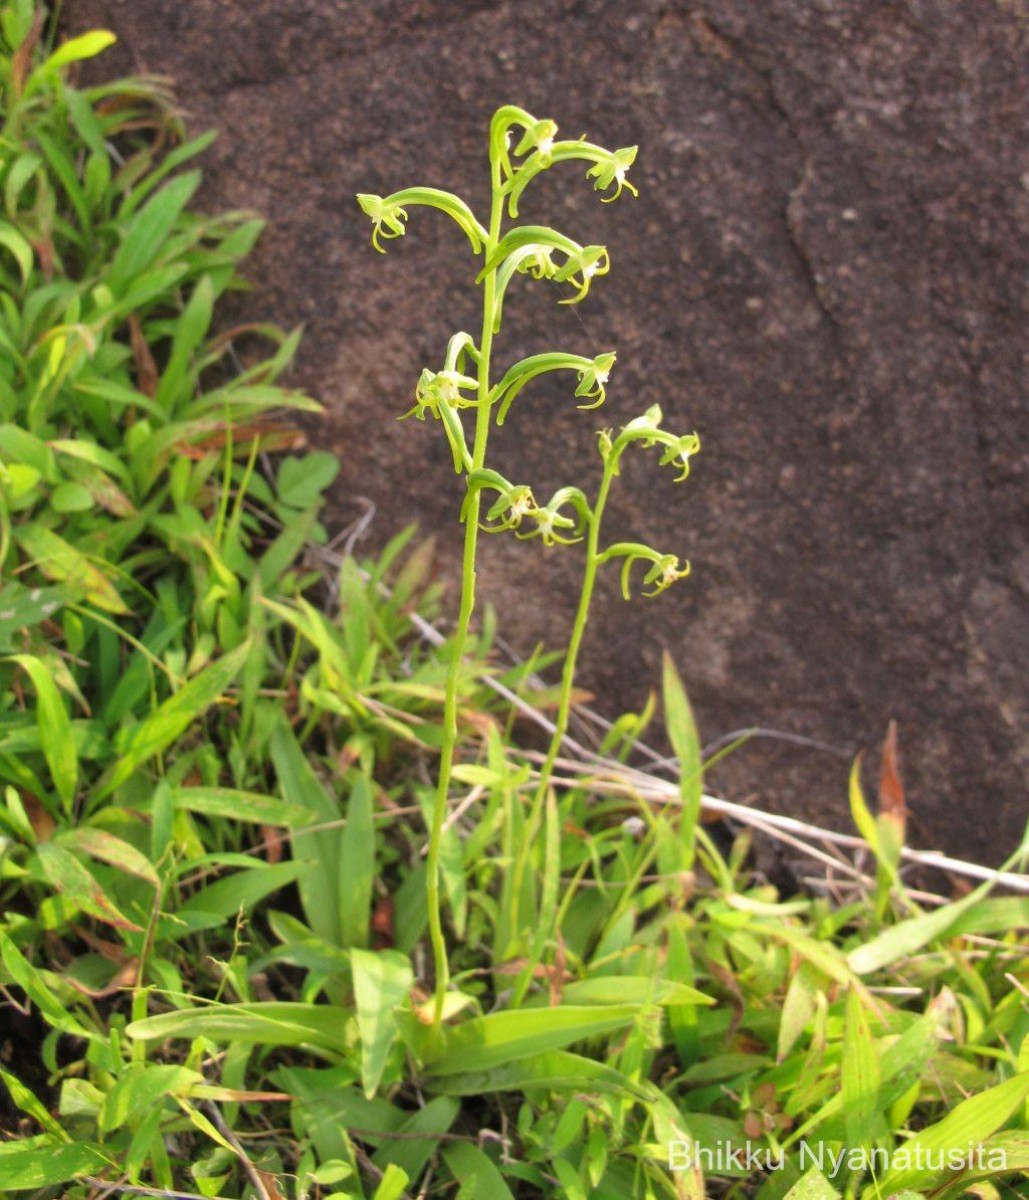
[522, 505]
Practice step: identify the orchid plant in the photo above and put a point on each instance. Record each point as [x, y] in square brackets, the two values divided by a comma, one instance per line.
[520, 148]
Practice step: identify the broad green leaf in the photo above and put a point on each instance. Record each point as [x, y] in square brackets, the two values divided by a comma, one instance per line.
[682, 733]
[798, 1008]
[71, 498]
[87, 45]
[1001, 1154]
[723, 1066]
[504, 1037]
[860, 1076]
[22, 1170]
[303, 948]
[64, 563]
[19, 480]
[382, 982]
[190, 330]
[358, 863]
[99, 844]
[319, 883]
[239, 806]
[17, 445]
[169, 721]
[263, 1023]
[79, 887]
[475, 1171]
[30, 1104]
[89, 452]
[915, 1163]
[54, 729]
[301, 481]
[149, 231]
[139, 1088]
[910, 936]
[13, 241]
[631, 989]
[35, 987]
[994, 916]
[21, 171]
[823, 956]
[392, 1184]
[243, 889]
[409, 1152]
[812, 1186]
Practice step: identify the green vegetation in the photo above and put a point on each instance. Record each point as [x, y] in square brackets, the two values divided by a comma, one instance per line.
[219, 744]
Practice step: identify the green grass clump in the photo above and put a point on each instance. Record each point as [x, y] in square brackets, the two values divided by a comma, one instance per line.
[220, 744]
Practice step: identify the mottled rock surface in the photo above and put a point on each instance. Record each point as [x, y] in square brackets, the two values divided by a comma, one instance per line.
[824, 275]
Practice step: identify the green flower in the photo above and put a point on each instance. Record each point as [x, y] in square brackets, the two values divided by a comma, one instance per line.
[511, 506]
[680, 450]
[538, 137]
[665, 571]
[593, 378]
[612, 171]
[389, 218]
[538, 263]
[549, 519]
[581, 267]
[437, 388]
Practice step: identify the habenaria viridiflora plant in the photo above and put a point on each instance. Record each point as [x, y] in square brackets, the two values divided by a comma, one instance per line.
[520, 148]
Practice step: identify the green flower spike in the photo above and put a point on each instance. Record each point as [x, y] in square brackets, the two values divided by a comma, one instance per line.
[521, 147]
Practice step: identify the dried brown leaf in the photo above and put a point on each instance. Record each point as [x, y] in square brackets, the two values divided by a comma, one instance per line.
[142, 359]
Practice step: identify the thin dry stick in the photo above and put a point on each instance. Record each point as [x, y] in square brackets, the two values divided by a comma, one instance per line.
[253, 1173]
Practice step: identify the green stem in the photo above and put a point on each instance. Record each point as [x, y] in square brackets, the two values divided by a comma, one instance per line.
[564, 707]
[471, 531]
[594, 558]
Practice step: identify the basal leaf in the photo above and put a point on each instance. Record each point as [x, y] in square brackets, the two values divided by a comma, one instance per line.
[382, 982]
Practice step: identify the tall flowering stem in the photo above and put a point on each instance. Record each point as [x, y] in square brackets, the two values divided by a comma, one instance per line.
[520, 148]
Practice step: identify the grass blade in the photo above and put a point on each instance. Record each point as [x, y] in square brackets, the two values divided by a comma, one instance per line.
[504, 1037]
[174, 717]
[682, 733]
[357, 860]
[55, 736]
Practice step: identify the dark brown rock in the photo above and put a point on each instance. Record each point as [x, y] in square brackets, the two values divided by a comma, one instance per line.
[824, 275]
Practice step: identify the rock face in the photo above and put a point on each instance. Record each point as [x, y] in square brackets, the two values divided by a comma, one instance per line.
[824, 275]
